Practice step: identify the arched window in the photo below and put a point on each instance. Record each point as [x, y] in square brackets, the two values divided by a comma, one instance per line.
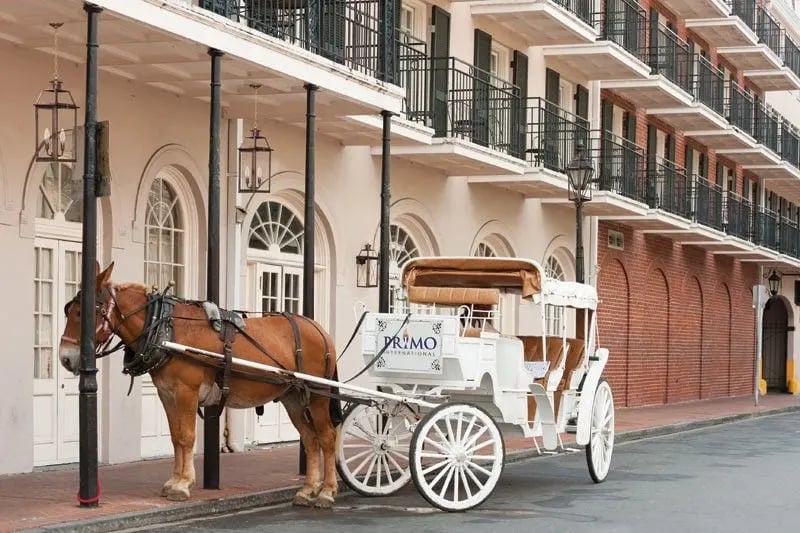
[59, 194]
[164, 235]
[554, 315]
[485, 250]
[275, 228]
[402, 248]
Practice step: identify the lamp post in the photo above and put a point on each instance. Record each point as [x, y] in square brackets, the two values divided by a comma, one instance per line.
[774, 281]
[580, 172]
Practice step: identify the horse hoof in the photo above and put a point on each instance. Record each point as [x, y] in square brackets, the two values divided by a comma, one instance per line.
[302, 500]
[324, 502]
[178, 495]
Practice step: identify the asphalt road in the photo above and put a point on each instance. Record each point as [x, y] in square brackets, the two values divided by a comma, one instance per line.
[737, 477]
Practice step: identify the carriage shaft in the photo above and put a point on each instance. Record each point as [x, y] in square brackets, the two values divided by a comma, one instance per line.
[369, 393]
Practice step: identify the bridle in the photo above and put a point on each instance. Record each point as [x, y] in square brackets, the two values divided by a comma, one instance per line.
[105, 330]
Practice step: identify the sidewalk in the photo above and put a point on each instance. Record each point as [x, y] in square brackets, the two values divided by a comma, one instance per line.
[262, 477]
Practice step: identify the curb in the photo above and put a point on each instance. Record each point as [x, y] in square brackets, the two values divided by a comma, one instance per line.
[204, 508]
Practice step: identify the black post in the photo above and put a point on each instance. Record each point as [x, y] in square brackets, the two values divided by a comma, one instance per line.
[579, 240]
[308, 230]
[211, 413]
[87, 385]
[383, 290]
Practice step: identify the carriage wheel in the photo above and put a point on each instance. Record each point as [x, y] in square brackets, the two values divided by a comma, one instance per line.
[601, 441]
[372, 451]
[457, 456]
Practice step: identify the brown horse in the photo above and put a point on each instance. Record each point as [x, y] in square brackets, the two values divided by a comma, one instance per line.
[184, 384]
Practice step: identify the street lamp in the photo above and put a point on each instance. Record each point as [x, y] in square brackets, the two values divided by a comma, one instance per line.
[774, 281]
[367, 267]
[255, 156]
[580, 172]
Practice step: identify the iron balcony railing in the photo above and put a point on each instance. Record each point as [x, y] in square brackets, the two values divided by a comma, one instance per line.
[768, 30]
[670, 57]
[469, 103]
[350, 32]
[709, 85]
[622, 166]
[766, 229]
[790, 144]
[791, 54]
[738, 216]
[553, 135]
[581, 8]
[707, 205]
[767, 126]
[740, 108]
[789, 237]
[745, 10]
[413, 66]
[667, 187]
[625, 23]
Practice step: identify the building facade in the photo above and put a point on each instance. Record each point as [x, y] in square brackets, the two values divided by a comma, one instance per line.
[687, 109]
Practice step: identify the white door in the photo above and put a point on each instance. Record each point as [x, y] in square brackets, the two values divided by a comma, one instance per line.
[55, 390]
[277, 288]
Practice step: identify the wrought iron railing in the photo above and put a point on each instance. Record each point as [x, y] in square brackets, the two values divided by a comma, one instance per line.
[469, 103]
[622, 166]
[738, 216]
[791, 54]
[768, 30]
[745, 10]
[709, 85]
[707, 205]
[740, 108]
[625, 23]
[667, 187]
[789, 237]
[765, 229]
[350, 32]
[553, 135]
[670, 57]
[413, 66]
[767, 126]
[581, 8]
[790, 143]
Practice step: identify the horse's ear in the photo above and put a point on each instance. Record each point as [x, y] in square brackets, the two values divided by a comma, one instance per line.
[104, 276]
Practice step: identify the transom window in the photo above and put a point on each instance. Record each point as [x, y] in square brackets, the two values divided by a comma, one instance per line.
[275, 228]
[401, 248]
[554, 315]
[59, 194]
[485, 250]
[164, 230]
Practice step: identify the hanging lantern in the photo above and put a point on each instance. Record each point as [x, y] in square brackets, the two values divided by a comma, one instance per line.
[56, 117]
[774, 281]
[255, 157]
[367, 267]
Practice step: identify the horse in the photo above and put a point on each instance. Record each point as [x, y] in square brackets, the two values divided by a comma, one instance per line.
[184, 384]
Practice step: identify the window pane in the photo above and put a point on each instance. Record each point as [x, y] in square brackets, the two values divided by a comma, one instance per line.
[163, 249]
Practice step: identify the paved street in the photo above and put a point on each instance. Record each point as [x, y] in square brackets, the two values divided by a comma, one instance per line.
[736, 477]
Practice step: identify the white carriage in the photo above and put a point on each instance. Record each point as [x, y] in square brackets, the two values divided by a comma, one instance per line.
[459, 381]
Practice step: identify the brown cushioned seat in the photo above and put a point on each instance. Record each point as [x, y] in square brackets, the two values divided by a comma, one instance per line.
[453, 296]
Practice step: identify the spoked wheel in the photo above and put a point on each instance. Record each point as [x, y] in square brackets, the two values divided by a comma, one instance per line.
[601, 441]
[372, 452]
[457, 456]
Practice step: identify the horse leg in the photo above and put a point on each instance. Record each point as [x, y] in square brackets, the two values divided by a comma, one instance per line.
[186, 400]
[170, 408]
[307, 495]
[326, 436]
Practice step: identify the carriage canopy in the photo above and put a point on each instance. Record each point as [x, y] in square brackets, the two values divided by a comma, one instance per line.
[523, 276]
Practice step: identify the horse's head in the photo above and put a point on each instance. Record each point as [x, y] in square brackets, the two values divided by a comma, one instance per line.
[70, 350]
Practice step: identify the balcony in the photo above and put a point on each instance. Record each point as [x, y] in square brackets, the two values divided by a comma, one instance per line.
[551, 139]
[669, 85]
[706, 113]
[721, 30]
[541, 22]
[698, 9]
[620, 54]
[476, 119]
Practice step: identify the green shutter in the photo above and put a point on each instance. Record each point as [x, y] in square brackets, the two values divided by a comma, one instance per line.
[481, 96]
[519, 113]
[440, 64]
[552, 87]
[582, 111]
[670, 153]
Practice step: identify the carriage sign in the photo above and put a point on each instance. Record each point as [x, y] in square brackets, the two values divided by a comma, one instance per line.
[415, 347]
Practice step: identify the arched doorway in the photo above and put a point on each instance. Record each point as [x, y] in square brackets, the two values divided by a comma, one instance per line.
[774, 344]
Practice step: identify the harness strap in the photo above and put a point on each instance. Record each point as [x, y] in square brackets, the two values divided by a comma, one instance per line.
[324, 343]
[353, 336]
[227, 333]
[298, 348]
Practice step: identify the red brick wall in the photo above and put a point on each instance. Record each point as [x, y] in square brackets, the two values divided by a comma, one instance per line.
[677, 320]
